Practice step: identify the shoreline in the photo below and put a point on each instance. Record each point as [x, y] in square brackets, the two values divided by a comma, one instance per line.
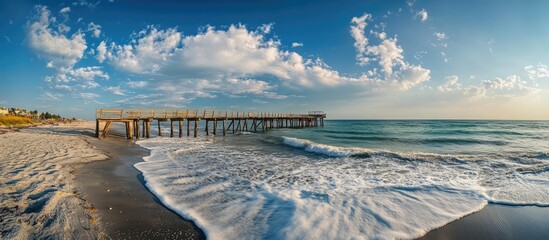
[127, 209]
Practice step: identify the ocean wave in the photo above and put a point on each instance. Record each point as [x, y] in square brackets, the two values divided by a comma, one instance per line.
[431, 141]
[328, 150]
[265, 191]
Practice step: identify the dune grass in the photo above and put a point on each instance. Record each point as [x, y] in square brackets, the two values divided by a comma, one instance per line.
[10, 120]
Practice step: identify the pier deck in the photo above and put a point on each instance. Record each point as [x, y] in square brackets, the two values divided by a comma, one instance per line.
[231, 121]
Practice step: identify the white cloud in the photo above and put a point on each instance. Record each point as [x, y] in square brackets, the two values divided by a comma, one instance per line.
[266, 28]
[101, 52]
[95, 29]
[88, 73]
[475, 91]
[137, 84]
[510, 86]
[409, 76]
[358, 26]
[151, 50]
[296, 44]
[60, 51]
[87, 96]
[451, 84]
[65, 10]
[76, 79]
[235, 53]
[85, 3]
[410, 3]
[537, 72]
[441, 36]
[115, 90]
[51, 96]
[509, 82]
[389, 55]
[423, 15]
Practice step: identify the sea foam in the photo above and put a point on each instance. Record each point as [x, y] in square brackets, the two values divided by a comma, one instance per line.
[254, 192]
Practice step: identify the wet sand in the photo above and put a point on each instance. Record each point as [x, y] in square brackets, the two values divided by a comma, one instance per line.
[127, 210]
[498, 222]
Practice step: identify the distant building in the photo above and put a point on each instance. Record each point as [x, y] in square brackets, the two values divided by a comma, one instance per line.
[4, 111]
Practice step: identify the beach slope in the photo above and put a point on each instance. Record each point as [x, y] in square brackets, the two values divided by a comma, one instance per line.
[38, 197]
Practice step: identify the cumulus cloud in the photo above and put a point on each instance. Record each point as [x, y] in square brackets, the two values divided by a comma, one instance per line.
[451, 84]
[422, 15]
[358, 26]
[510, 86]
[65, 10]
[137, 84]
[509, 82]
[234, 53]
[61, 52]
[95, 29]
[88, 73]
[152, 49]
[88, 97]
[296, 44]
[388, 53]
[115, 90]
[396, 72]
[101, 52]
[537, 72]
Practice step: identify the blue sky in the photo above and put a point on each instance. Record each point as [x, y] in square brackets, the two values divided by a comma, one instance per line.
[352, 59]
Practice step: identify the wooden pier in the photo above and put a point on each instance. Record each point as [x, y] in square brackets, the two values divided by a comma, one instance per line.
[138, 121]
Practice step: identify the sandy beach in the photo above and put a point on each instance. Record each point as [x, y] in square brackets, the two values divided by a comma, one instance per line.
[55, 185]
[39, 197]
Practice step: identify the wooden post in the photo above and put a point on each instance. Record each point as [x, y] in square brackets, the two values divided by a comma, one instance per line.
[126, 125]
[144, 126]
[97, 128]
[207, 124]
[148, 129]
[159, 128]
[233, 125]
[224, 129]
[171, 128]
[130, 130]
[215, 126]
[188, 127]
[137, 128]
[106, 129]
[180, 128]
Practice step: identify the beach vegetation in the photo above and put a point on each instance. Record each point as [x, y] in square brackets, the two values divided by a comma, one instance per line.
[10, 120]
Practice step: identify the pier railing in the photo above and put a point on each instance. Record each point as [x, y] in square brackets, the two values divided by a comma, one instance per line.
[176, 113]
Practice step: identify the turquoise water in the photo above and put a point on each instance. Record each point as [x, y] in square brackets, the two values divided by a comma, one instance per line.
[430, 136]
[350, 179]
